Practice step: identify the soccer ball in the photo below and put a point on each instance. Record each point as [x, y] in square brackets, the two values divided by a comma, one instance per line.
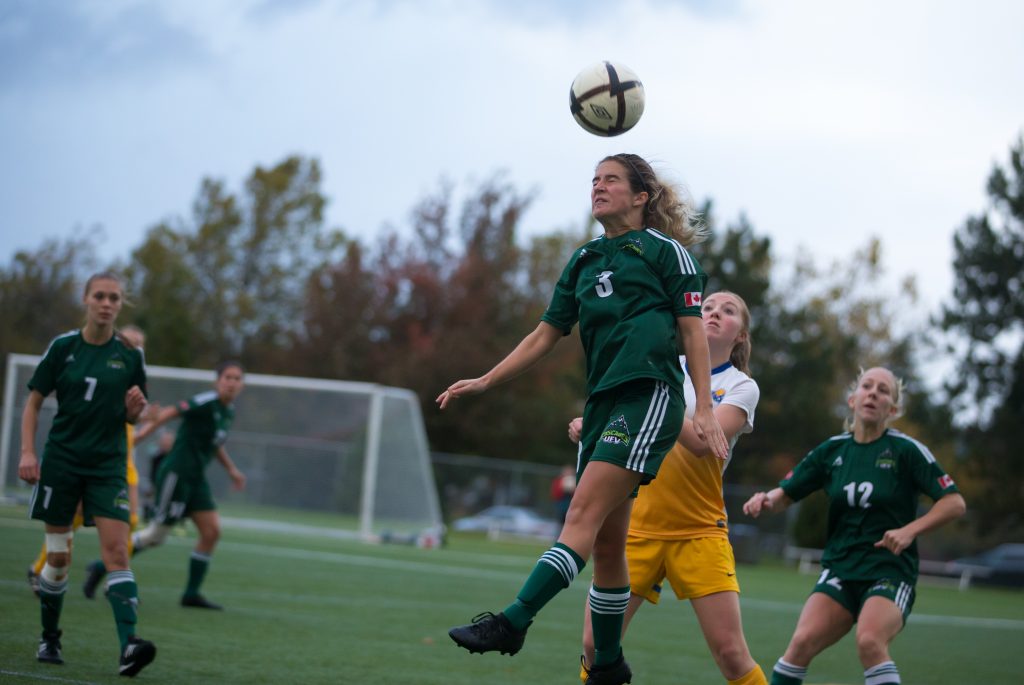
[606, 99]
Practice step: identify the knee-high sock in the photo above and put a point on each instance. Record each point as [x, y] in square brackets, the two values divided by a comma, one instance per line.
[754, 677]
[51, 597]
[555, 569]
[786, 673]
[198, 564]
[123, 595]
[607, 609]
[884, 673]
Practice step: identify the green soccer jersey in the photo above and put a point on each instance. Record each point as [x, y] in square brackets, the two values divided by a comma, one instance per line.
[872, 487]
[204, 428]
[90, 382]
[626, 293]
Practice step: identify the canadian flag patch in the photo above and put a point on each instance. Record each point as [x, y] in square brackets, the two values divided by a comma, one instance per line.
[945, 481]
[691, 299]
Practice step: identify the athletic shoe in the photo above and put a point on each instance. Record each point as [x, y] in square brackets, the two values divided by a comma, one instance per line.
[33, 580]
[583, 669]
[615, 673]
[49, 648]
[96, 571]
[136, 655]
[489, 633]
[199, 602]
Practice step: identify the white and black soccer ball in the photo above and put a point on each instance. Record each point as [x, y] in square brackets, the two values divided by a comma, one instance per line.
[606, 99]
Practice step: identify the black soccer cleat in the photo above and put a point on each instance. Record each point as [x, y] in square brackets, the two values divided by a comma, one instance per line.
[96, 571]
[136, 655]
[489, 633]
[615, 673]
[33, 580]
[49, 648]
[199, 602]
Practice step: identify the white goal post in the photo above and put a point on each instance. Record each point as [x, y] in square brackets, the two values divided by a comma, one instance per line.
[355, 449]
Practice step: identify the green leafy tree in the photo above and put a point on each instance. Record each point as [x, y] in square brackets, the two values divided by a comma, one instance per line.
[985, 321]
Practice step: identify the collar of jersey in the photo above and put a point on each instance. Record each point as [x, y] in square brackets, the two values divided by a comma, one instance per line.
[717, 369]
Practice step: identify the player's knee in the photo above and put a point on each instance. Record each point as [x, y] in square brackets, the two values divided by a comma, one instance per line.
[733, 659]
[870, 646]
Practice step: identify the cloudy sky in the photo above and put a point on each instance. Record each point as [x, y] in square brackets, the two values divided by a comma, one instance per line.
[823, 122]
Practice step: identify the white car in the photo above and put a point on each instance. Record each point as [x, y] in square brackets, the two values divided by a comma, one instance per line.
[508, 520]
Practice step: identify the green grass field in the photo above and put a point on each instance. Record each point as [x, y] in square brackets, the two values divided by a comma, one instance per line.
[311, 609]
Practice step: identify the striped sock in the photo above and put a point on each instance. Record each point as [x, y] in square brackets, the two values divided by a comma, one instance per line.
[555, 569]
[786, 673]
[198, 565]
[884, 673]
[123, 595]
[607, 609]
[51, 598]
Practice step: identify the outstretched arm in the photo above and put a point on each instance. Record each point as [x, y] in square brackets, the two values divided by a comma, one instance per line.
[162, 417]
[771, 501]
[534, 346]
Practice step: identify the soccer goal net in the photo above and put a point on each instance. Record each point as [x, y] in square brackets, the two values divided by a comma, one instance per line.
[355, 451]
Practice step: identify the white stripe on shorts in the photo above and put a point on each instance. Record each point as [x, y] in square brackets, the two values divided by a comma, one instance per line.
[650, 428]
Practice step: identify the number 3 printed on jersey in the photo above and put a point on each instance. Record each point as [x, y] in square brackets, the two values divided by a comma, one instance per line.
[604, 284]
[864, 489]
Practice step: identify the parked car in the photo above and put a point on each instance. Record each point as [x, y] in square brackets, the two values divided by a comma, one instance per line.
[509, 520]
[1001, 565]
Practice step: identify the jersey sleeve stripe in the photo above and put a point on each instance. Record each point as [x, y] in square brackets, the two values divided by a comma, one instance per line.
[60, 337]
[204, 397]
[685, 260]
[925, 452]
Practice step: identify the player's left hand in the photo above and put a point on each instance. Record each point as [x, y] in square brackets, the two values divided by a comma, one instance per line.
[896, 540]
[134, 402]
[710, 431]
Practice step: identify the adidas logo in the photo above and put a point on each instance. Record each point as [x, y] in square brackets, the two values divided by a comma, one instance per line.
[70, 358]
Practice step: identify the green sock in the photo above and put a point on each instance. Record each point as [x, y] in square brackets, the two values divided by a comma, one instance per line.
[786, 673]
[884, 673]
[555, 569]
[198, 564]
[607, 609]
[51, 603]
[123, 595]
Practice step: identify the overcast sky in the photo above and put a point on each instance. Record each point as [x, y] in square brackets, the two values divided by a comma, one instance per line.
[823, 122]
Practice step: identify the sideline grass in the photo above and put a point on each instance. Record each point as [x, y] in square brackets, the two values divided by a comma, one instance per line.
[318, 610]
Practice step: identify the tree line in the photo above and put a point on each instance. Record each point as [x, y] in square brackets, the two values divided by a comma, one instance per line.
[256, 274]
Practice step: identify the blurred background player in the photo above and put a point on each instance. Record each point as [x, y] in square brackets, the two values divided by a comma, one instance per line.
[678, 529]
[873, 476]
[181, 484]
[99, 381]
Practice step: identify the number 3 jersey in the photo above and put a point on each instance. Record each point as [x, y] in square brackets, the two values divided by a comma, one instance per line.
[626, 293]
[90, 382]
[872, 487]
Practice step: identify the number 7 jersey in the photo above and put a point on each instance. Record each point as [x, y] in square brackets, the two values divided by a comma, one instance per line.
[90, 382]
[872, 487]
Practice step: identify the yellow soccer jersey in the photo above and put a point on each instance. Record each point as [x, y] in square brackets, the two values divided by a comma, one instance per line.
[132, 475]
[685, 500]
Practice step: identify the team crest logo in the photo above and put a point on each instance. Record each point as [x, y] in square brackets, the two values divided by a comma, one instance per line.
[121, 501]
[115, 364]
[616, 432]
[717, 395]
[883, 585]
[635, 246]
[885, 460]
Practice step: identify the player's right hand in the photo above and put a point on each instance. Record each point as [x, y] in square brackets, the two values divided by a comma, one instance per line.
[756, 504]
[468, 386]
[576, 429]
[28, 467]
